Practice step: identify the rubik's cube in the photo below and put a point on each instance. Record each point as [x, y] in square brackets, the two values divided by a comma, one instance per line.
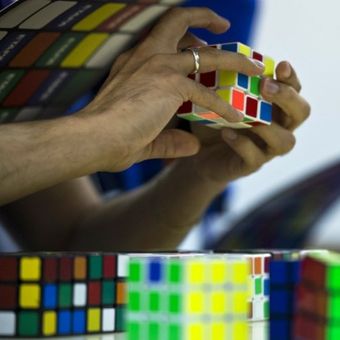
[318, 298]
[178, 297]
[259, 300]
[285, 275]
[61, 294]
[239, 90]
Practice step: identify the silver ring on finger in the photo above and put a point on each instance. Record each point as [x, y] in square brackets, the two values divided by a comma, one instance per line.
[196, 55]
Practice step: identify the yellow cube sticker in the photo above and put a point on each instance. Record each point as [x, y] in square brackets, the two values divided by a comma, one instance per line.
[93, 320]
[195, 303]
[240, 330]
[218, 331]
[269, 64]
[195, 332]
[49, 323]
[196, 272]
[240, 272]
[240, 302]
[218, 303]
[29, 296]
[244, 49]
[218, 272]
[30, 269]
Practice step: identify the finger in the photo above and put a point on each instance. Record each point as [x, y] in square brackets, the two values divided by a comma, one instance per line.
[173, 26]
[208, 99]
[286, 74]
[191, 40]
[278, 141]
[172, 143]
[250, 153]
[287, 98]
[212, 59]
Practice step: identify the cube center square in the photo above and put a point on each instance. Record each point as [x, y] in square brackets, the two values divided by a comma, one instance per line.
[240, 91]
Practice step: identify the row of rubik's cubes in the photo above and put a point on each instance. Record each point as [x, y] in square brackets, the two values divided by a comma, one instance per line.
[49, 294]
[239, 90]
[171, 296]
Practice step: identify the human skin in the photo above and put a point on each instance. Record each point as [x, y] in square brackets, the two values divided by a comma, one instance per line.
[126, 123]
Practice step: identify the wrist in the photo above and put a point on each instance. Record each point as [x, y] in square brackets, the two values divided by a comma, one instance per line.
[103, 146]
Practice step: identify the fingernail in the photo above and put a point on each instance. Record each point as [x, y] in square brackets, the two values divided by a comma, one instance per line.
[258, 63]
[271, 87]
[231, 135]
[287, 70]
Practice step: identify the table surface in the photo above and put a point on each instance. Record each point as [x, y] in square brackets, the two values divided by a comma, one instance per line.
[258, 331]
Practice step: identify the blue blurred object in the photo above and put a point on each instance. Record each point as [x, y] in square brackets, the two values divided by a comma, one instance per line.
[241, 14]
[4, 3]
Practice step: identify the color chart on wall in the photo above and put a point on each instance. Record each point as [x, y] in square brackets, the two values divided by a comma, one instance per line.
[54, 51]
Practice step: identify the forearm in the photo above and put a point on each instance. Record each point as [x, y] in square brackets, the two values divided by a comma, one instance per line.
[154, 217]
[38, 155]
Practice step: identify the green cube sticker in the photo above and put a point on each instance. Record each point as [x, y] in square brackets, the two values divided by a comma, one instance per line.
[266, 309]
[135, 272]
[108, 292]
[334, 307]
[154, 331]
[134, 301]
[65, 295]
[154, 302]
[333, 274]
[96, 267]
[120, 319]
[28, 324]
[255, 85]
[332, 332]
[258, 286]
[175, 331]
[134, 331]
[175, 303]
[175, 272]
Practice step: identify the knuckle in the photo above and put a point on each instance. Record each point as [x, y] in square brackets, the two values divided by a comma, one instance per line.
[288, 144]
[155, 61]
[178, 13]
[255, 163]
[174, 78]
[288, 92]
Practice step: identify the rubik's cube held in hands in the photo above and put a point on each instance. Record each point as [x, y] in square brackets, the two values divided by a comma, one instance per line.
[183, 297]
[239, 90]
[61, 294]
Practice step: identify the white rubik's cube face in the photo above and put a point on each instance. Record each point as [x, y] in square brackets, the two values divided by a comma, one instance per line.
[191, 298]
[239, 90]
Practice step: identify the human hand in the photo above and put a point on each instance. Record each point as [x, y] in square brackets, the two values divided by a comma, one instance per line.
[230, 154]
[147, 85]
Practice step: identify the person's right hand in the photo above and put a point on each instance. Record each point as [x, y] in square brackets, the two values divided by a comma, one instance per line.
[146, 87]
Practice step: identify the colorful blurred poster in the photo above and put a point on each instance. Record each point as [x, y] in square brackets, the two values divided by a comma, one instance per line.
[54, 51]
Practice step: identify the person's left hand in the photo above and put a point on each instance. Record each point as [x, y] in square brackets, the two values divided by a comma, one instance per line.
[230, 154]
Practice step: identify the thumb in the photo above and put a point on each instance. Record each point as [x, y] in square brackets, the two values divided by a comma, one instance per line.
[172, 143]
